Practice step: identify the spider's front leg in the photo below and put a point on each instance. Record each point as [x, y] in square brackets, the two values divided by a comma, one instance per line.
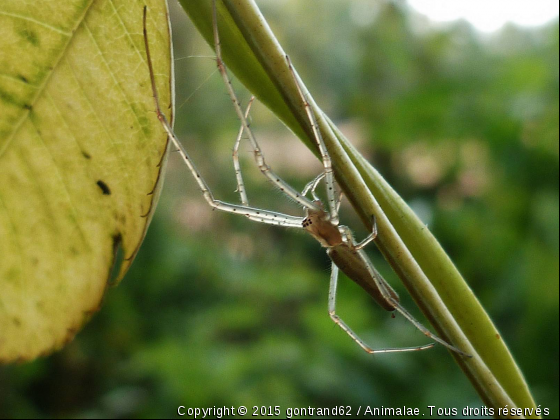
[264, 216]
[235, 156]
[283, 186]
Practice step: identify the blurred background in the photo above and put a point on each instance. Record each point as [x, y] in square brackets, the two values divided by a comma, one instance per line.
[221, 311]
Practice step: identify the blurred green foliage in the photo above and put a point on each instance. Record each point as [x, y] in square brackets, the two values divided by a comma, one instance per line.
[220, 311]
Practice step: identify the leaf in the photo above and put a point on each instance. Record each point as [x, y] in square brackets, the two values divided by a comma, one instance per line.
[252, 52]
[81, 157]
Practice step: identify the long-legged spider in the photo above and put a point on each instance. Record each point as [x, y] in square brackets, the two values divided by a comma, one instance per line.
[323, 225]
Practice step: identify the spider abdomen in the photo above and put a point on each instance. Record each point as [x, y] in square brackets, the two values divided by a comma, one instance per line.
[358, 269]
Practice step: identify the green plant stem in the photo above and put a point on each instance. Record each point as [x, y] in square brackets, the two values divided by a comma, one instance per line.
[252, 52]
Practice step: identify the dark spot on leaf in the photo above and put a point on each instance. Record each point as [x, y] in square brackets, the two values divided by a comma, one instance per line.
[30, 36]
[28, 106]
[86, 155]
[146, 128]
[8, 98]
[23, 78]
[13, 274]
[104, 187]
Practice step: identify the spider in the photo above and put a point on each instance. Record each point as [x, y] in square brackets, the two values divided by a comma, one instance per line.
[323, 224]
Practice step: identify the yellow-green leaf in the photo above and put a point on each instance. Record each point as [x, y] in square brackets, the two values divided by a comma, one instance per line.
[81, 159]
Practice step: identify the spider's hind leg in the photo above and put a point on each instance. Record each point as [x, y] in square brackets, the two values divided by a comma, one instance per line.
[338, 321]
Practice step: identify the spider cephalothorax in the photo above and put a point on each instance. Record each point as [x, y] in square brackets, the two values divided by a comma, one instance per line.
[318, 224]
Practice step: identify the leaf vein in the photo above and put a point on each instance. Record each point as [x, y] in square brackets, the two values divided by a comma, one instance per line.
[38, 22]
